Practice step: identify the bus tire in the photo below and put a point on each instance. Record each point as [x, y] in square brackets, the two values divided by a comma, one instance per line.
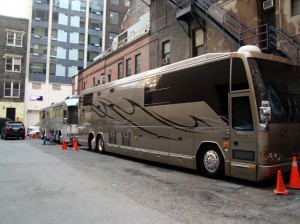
[100, 145]
[211, 162]
[91, 143]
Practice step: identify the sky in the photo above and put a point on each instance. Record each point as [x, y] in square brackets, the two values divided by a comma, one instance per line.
[15, 8]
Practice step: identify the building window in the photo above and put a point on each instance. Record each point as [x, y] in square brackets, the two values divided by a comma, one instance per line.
[81, 38]
[120, 70]
[295, 7]
[82, 22]
[166, 49]
[94, 24]
[94, 40]
[12, 89]
[14, 38]
[111, 38]
[12, 64]
[198, 43]
[56, 2]
[38, 32]
[54, 34]
[52, 69]
[114, 18]
[92, 55]
[37, 68]
[40, 15]
[53, 52]
[115, 2]
[137, 63]
[128, 67]
[95, 8]
[38, 50]
[80, 55]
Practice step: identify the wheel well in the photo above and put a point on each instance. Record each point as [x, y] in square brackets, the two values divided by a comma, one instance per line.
[91, 136]
[202, 147]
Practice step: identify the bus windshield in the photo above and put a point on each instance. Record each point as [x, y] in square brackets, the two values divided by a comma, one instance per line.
[73, 114]
[278, 83]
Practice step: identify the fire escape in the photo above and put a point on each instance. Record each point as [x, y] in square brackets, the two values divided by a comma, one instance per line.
[268, 38]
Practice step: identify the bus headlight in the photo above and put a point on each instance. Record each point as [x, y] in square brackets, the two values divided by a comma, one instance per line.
[271, 156]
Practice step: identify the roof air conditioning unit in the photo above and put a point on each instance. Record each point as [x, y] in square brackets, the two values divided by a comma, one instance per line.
[268, 4]
[104, 79]
[165, 61]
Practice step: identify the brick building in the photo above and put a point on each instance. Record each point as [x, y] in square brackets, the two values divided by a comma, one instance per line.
[128, 55]
[13, 48]
[185, 29]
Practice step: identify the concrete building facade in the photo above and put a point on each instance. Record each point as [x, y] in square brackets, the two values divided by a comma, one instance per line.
[13, 48]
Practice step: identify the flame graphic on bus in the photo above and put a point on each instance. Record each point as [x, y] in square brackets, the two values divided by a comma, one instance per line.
[106, 107]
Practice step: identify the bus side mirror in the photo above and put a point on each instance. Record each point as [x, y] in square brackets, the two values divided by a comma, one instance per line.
[265, 115]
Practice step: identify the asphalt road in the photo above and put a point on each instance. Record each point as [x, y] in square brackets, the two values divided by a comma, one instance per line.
[44, 184]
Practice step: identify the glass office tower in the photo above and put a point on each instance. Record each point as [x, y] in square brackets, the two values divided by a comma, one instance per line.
[65, 37]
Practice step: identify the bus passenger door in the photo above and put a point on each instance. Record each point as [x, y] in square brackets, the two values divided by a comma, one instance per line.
[243, 140]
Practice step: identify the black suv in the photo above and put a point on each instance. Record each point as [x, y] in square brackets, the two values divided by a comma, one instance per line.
[2, 122]
[14, 129]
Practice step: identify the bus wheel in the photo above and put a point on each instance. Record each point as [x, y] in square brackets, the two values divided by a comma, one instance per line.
[99, 145]
[211, 162]
[92, 143]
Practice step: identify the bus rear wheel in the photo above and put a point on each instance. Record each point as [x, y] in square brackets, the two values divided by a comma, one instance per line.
[100, 145]
[211, 162]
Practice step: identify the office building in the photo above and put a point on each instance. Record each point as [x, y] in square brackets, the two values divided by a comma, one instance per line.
[65, 37]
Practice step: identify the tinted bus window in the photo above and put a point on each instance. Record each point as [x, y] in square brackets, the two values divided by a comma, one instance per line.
[209, 83]
[239, 76]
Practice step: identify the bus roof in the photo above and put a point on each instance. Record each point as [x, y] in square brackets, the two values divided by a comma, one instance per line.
[245, 51]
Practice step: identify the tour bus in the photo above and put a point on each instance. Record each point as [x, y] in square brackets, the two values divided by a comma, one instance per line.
[61, 119]
[236, 114]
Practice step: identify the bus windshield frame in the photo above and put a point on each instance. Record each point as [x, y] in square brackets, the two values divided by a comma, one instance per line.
[279, 84]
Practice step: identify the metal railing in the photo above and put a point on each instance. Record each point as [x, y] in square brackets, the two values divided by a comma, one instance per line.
[264, 36]
[133, 36]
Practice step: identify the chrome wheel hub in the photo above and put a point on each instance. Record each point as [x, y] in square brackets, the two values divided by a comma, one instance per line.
[211, 161]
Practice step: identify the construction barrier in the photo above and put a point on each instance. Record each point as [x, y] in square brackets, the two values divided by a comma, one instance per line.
[294, 178]
[280, 188]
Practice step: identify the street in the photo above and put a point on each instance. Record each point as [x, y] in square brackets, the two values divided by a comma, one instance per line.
[45, 184]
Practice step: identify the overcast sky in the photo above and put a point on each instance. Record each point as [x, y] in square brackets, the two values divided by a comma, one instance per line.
[15, 8]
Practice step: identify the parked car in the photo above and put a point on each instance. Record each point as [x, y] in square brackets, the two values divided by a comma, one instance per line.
[13, 129]
[2, 121]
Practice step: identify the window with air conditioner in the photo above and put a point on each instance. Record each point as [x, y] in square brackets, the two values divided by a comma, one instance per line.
[166, 49]
[268, 4]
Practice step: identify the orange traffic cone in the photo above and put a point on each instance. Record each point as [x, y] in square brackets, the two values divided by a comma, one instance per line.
[64, 145]
[75, 145]
[294, 178]
[280, 188]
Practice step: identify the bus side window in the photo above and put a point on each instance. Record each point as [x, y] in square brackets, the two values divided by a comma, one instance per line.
[239, 76]
[241, 114]
[65, 117]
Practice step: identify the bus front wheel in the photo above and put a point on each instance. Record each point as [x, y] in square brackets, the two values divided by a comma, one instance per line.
[99, 145]
[211, 162]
